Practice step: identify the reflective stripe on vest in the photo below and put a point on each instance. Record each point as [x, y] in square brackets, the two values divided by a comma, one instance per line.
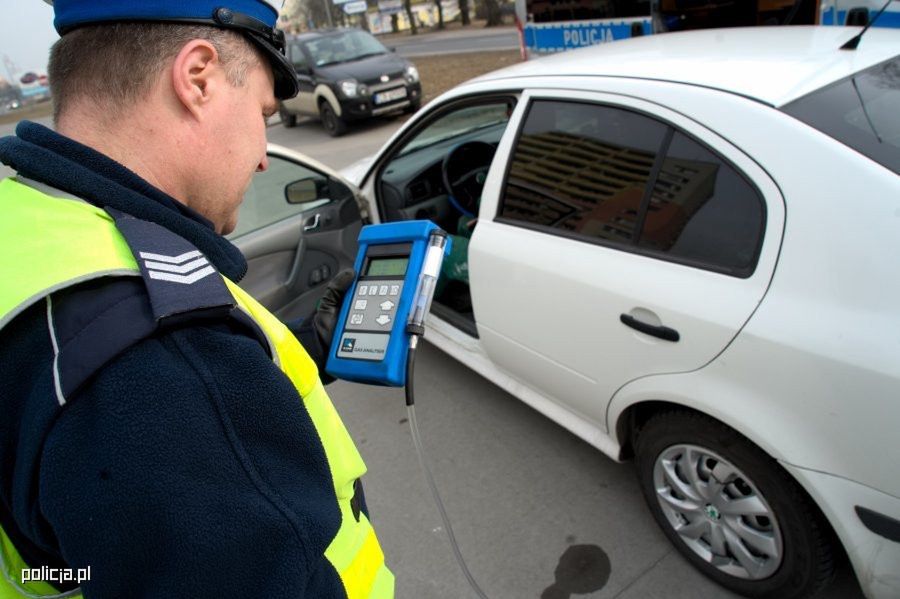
[11, 583]
[74, 242]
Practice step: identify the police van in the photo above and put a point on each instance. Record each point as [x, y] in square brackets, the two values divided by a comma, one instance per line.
[548, 26]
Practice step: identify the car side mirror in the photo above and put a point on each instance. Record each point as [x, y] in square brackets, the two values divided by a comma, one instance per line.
[301, 192]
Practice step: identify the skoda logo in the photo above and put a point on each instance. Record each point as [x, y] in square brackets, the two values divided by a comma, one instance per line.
[385, 78]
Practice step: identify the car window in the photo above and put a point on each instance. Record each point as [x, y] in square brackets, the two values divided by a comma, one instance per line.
[614, 176]
[411, 183]
[860, 112]
[343, 47]
[283, 190]
[296, 56]
[582, 169]
[702, 210]
[458, 123]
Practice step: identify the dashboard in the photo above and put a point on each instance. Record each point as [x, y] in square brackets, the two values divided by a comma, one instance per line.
[411, 185]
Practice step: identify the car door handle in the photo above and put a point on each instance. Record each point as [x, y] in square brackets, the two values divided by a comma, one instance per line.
[312, 223]
[658, 331]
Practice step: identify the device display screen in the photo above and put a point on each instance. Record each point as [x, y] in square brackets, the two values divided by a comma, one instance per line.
[387, 267]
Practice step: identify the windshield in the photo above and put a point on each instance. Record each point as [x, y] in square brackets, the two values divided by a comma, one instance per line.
[861, 112]
[343, 47]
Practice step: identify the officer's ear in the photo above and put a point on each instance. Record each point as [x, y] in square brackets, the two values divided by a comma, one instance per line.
[196, 73]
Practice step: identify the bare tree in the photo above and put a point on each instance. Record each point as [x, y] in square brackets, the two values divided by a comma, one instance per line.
[407, 4]
[313, 13]
[364, 18]
[440, 14]
[492, 8]
[464, 11]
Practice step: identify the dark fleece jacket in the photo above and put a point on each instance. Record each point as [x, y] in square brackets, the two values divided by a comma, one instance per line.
[188, 466]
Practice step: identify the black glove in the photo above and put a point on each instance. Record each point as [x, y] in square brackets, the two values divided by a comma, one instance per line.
[329, 306]
[316, 331]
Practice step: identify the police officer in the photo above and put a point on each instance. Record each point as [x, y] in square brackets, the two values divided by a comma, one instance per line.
[159, 426]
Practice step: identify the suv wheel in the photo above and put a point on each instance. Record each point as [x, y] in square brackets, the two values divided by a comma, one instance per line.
[288, 119]
[334, 124]
[730, 509]
[413, 106]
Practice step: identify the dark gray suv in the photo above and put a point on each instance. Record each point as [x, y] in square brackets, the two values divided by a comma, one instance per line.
[348, 75]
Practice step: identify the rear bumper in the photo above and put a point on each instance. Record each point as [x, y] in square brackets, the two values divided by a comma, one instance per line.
[871, 545]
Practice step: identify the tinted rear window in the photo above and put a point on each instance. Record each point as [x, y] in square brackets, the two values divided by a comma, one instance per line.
[583, 169]
[862, 112]
[703, 211]
[610, 176]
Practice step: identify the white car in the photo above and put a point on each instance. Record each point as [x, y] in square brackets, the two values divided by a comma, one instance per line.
[683, 248]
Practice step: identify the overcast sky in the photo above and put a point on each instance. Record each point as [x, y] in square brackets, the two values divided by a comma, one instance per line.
[26, 34]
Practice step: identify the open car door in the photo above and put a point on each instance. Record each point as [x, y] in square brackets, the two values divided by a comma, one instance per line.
[298, 227]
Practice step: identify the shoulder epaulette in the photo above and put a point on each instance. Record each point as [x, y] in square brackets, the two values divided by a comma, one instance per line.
[178, 277]
[100, 320]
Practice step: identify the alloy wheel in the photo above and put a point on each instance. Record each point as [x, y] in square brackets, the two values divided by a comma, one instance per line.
[718, 512]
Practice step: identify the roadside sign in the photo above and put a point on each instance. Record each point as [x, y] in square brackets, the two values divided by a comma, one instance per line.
[390, 7]
[354, 7]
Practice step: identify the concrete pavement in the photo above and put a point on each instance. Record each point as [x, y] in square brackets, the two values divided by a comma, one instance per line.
[537, 512]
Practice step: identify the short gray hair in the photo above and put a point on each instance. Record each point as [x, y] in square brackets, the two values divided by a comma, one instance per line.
[115, 64]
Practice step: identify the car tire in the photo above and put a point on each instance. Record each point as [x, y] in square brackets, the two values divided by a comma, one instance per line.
[774, 543]
[288, 119]
[413, 107]
[334, 125]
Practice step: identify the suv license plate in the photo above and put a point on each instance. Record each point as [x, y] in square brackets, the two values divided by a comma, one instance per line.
[391, 94]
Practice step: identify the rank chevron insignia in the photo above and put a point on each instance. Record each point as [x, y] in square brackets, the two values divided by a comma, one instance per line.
[186, 269]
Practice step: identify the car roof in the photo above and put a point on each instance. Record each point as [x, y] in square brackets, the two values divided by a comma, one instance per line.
[774, 65]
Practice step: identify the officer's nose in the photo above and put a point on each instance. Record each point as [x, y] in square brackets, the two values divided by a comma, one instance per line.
[263, 164]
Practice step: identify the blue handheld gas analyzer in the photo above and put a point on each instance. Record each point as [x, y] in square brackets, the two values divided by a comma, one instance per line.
[383, 316]
[397, 268]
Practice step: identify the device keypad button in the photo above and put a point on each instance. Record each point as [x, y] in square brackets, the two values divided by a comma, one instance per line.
[372, 301]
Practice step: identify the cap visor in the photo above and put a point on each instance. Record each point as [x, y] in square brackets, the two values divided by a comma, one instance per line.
[286, 84]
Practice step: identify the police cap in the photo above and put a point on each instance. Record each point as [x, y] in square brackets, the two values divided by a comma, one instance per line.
[253, 18]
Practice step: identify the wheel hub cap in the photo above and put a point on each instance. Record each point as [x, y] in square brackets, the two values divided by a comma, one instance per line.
[718, 512]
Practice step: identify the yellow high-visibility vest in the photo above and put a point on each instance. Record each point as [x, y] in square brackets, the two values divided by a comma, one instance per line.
[49, 243]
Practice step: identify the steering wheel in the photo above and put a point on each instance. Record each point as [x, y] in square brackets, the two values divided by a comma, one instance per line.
[464, 170]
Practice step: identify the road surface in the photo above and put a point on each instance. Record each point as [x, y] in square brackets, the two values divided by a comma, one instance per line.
[452, 42]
